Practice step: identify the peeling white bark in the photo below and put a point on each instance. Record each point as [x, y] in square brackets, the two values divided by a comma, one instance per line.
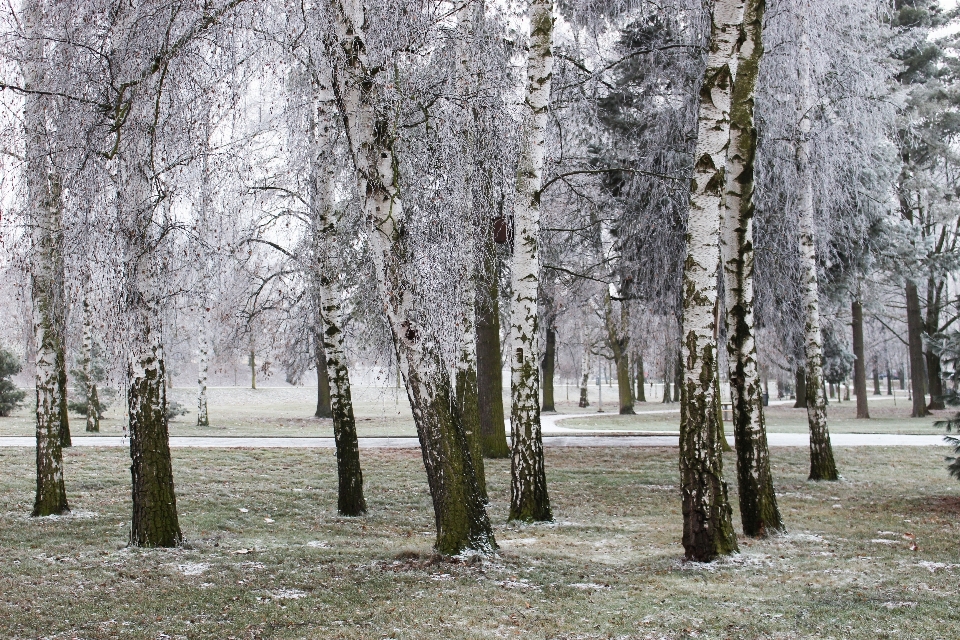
[461, 518]
[822, 465]
[707, 530]
[529, 499]
[44, 210]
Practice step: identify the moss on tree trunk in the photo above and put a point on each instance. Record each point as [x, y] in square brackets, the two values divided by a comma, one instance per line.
[323, 381]
[350, 499]
[155, 522]
[65, 439]
[489, 363]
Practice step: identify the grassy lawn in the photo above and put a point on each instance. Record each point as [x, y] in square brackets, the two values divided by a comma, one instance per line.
[876, 555]
[239, 411]
[288, 411]
[885, 417]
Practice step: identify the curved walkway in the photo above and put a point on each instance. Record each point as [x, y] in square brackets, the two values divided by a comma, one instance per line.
[601, 439]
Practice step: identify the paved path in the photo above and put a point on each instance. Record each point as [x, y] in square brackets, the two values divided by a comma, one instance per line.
[650, 439]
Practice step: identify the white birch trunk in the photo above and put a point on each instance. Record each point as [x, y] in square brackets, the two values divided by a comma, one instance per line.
[46, 266]
[529, 499]
[86, 360]
[204, 320]
[467, 392]
[822, 465]
[155, 522]
[203, 363]
[758, 504]
[584, 376]
[707, 527]
[322, 134]
[461, 517]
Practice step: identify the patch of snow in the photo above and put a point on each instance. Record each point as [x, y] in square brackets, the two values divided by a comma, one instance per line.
[192, 568]
[883, 541]
[899, 605]
[288, 594]
[319, 544]
[802, 537]
[589, 586]
[519, 541]
[933, 566]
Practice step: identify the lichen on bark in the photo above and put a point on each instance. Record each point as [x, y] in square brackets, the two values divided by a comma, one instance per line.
[759, 512]
[707, 526]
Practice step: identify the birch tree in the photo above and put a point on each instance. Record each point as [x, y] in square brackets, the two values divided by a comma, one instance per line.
[822, 465]
[461, 518]
[758, 503]
[322, 136]
[529, 500]
[44, 204]
[466, 378]
[707, 527]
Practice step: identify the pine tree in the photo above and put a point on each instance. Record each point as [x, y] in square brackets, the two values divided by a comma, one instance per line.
[11, 398]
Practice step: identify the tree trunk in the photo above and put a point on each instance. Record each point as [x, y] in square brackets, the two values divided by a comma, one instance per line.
[350, 500]
[86, 359]
[65, 440]
[641, 378]
[800, 383]
[666, 379]
[876, 377]
[489, 364]
[155, 522]
[47, 256]
[322, 131]
[623, 385]
[934, 379]
[860, 364]
[466, 384]
[618, 340]
[759, 512]
[461, 518]
[252, 362]
[822, 465]
[889, 382]
[324, 409]
[203, 363]
[707, 526]
[932, 328]
[45, 212]
[584, 378]
[915, 342]
[528, 487]
[205, 320]
[549, 361]
[678, 377]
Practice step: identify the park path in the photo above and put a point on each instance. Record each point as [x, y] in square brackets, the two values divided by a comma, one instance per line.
[654, 439]
[554, 436]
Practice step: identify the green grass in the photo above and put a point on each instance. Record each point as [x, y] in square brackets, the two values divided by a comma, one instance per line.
[609, 567]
